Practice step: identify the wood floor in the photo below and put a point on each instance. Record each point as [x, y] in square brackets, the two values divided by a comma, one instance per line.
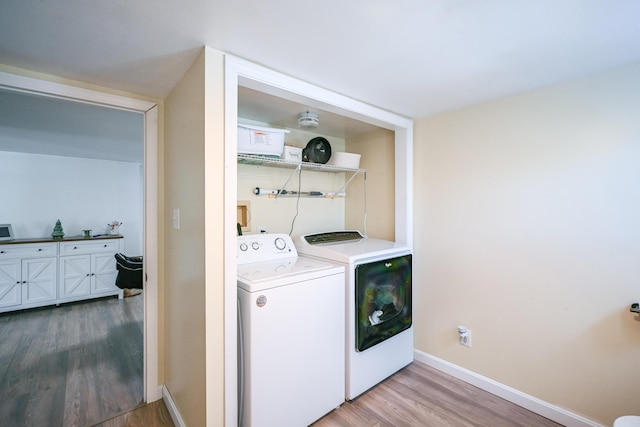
[154, 414]
[81, 365]
[422, 396]
[73, 365]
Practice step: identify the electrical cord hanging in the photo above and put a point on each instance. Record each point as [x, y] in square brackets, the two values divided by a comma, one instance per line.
[364, 217]
[293, 221]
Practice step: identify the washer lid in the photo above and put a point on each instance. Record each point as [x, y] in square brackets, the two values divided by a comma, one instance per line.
[350, 251]
[270, 274]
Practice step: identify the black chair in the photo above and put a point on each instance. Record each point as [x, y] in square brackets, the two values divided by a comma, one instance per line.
[129, 271]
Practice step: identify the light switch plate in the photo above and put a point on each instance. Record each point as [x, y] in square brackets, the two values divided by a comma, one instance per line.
[176, 219]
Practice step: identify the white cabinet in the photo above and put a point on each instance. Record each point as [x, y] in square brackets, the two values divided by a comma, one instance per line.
[88, 269]
[28, 275]
[34, 274]
[38, 281]
[74, 276]
[10, 283]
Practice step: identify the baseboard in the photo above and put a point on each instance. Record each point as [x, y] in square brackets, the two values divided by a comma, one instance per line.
[172, 408]
[533, 404]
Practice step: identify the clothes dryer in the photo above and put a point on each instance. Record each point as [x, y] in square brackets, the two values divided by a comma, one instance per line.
[378, 286]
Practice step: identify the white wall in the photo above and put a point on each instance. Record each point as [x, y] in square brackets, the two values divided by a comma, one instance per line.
[529, 234]
[81, 193]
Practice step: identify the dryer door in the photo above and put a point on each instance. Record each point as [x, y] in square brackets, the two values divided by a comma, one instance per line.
[383, 300]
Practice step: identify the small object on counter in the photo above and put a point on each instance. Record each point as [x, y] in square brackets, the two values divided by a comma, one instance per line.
[86, 233]
[114, 227]
[635, 308]
[58, 233]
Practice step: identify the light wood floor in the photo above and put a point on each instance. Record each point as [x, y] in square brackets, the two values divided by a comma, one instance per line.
[81, 365]
[422, 396]
[418, 396]
[73, 365]
[154, 414]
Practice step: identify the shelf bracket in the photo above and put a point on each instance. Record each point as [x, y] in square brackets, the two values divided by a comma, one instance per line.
[297, 169]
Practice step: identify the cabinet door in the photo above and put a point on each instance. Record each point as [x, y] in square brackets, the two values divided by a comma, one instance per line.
[10, 283]
[39, 280]
[104, 272]
[75, 276]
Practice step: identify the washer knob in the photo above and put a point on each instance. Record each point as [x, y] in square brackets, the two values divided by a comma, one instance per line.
[243, 247]
[280, 243]
[255, 245]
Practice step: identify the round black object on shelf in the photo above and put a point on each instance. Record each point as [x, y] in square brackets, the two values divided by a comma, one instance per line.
[318, 150]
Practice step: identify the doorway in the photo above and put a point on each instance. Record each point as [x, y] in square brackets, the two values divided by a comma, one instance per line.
[149, 233]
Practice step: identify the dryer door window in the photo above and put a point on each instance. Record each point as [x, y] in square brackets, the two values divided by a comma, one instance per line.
[383, 300]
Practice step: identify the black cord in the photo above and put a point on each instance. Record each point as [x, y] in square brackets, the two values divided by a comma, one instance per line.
[293, 221]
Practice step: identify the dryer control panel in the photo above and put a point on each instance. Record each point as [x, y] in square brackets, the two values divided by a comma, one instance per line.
[264, 247]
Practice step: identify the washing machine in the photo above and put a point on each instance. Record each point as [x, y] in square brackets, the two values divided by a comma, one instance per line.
[378, 285]
[291, 334]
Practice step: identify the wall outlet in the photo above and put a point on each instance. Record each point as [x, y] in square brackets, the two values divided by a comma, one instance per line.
[464, 336]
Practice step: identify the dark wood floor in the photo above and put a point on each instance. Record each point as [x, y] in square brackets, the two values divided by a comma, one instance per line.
[73, 365]
[422, 396]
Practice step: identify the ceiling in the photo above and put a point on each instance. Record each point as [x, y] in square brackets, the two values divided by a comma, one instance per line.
[412, 57]
[43, 125]
[255, 106]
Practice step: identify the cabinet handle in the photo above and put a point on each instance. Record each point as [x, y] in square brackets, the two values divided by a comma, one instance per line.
[75, 247]
[105, 246]
[87, 274]
[39, 249]
[24, 281]
[1, 252]
[93, 274]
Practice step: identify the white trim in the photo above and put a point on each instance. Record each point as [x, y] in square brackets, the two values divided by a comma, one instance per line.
[255, 77]
[533, 404]
[239, 72]
[172, 408]
[149, 109]
[151, 257]
[231, 268]
[74, 93]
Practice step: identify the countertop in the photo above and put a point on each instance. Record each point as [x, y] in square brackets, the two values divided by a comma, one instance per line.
[64, 239]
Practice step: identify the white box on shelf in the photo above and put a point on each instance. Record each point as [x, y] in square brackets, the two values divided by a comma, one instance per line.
[260, 140]
[292, 154]
[345, 160]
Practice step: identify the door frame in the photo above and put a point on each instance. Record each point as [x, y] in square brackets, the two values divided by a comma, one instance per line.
[17, 83]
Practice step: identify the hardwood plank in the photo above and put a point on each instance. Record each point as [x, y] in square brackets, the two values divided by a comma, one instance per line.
[72, 365]
[154, 414]
[419, 395]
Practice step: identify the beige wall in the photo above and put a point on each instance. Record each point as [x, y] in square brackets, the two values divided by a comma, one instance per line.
[312, 214]
[184, 248]
[378, 159]
[527, 231]
[193, 255]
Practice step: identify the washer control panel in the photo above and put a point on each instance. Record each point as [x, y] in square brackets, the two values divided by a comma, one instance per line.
[264, 247]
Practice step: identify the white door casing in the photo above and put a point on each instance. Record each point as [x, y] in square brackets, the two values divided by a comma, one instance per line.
[152, 389]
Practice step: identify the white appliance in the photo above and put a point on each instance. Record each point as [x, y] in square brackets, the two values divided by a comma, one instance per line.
[292, 334]
[378, 322]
